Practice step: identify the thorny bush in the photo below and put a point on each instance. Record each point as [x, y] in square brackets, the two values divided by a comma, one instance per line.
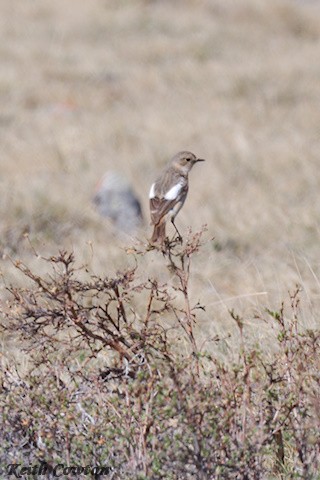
[106, 383]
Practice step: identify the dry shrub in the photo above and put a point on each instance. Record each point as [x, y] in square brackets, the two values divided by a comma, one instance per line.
[108, 383]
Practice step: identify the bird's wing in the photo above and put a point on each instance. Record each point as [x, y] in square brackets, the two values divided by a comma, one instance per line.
[162, 203]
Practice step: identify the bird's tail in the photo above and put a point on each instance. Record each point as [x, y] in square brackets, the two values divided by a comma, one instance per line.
[159, 233]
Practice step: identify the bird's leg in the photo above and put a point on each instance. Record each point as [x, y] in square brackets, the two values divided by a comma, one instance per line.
[179, 236]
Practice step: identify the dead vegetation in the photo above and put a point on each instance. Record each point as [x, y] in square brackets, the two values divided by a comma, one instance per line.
[129, 388]
[123, 85]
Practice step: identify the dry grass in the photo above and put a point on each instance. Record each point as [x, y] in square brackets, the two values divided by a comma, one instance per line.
[124, 85]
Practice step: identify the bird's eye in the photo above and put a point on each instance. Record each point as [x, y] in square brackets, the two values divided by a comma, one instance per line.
[188, 159]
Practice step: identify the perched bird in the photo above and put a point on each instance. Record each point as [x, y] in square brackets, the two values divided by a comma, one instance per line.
[168, 193]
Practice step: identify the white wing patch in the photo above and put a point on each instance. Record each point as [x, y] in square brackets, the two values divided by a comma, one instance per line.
[173, 192]
[152, 192]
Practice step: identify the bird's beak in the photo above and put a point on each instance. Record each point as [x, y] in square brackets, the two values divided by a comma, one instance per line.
[200, 160]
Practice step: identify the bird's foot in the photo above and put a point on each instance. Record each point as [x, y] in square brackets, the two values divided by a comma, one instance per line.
[175, 240]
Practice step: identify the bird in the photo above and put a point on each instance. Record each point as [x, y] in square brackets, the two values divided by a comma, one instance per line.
[168, 194]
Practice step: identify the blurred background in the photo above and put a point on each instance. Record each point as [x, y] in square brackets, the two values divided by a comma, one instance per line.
[94, 86]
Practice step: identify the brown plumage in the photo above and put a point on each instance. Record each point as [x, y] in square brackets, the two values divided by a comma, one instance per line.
[168, 193]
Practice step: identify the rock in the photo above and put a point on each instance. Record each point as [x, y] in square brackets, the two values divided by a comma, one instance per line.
[116, 200]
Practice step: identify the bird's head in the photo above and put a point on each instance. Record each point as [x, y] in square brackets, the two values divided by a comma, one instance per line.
[184, 161]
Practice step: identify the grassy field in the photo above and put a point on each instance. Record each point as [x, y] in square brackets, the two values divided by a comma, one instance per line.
[125, 85]
[92, 86]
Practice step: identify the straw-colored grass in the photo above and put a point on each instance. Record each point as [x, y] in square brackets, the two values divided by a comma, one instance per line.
[117, 368]
[91, 86]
